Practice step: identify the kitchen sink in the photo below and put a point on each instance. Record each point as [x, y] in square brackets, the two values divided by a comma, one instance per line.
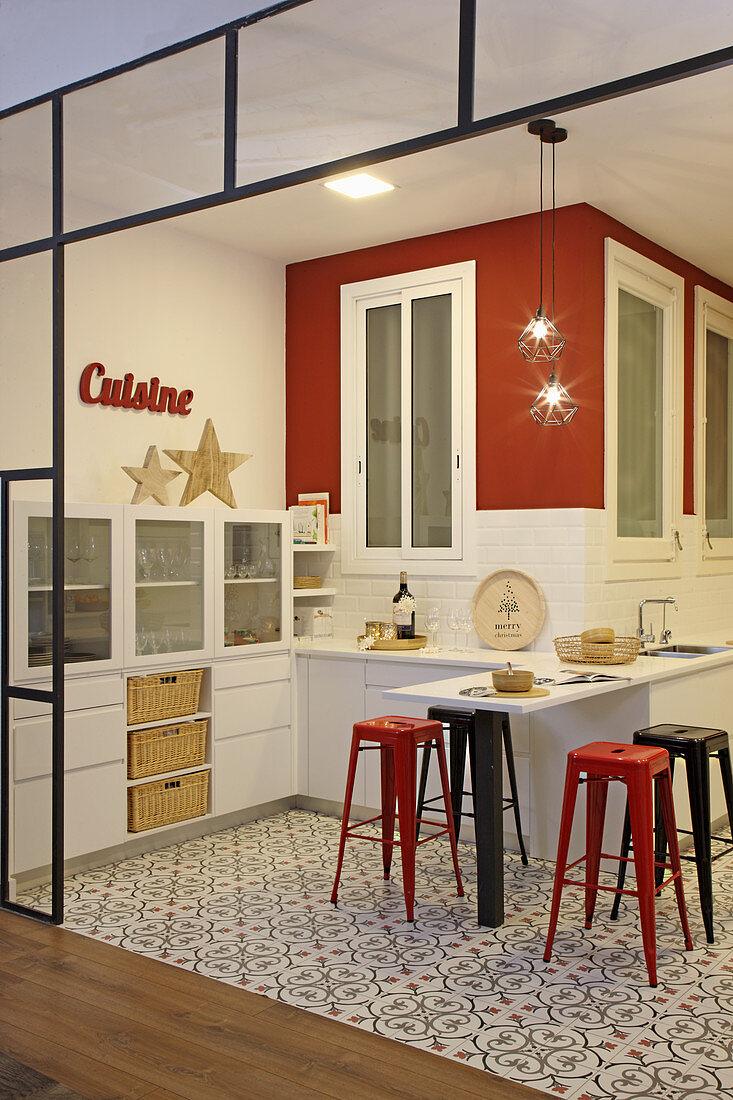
[684, 650]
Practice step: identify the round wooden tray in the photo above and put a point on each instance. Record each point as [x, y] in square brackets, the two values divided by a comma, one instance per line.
[418, 642]
[533, 693]
[508, 609]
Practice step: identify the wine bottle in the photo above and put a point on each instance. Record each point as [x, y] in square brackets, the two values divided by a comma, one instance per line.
[402, 617]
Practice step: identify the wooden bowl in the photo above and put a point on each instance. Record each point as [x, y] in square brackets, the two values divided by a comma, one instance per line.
[519, 680]
[598, 635]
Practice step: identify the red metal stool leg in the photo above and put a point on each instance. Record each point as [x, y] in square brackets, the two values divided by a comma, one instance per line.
[386, 754]
[566, 825]
[443, 765]
[350, 775]
[665, 791]
[642, 831]
[405, 756]
[597, 794]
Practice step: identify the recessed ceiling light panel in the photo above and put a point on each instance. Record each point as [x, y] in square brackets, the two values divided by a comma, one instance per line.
[359, 186]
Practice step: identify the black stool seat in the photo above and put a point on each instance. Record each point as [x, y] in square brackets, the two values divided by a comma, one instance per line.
[696, 745]
[461, 726]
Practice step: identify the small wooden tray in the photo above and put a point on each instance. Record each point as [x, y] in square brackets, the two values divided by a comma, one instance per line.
[533, 693]
[418, 642]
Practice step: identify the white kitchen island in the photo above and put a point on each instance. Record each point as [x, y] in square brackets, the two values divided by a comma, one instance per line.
[339, 685]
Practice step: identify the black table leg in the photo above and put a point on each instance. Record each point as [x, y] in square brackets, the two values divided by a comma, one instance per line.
[488, 810]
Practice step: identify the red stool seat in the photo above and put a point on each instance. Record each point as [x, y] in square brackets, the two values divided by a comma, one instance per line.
[639, 767]
[398, 739]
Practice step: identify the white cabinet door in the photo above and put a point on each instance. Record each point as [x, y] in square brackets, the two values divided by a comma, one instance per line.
[252, 770]
[335, 703]
[95, 815]
[252, 708]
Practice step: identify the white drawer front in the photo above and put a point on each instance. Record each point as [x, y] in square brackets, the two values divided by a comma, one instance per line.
[248, 709]
[92, 737]
[252, 670]
[394, 674]
[95, 815]
[252, 770]
[97, 691]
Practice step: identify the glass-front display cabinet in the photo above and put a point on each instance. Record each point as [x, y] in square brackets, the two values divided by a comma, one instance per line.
[168, 558]
[253, 582]
[92, 588]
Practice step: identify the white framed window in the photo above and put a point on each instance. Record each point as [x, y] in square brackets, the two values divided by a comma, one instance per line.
[714, 430]
[644, 320]
[408, 407]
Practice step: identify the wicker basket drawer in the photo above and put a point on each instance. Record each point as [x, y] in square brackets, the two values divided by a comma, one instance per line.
[164, 695]
[166, 748]
[166, 801]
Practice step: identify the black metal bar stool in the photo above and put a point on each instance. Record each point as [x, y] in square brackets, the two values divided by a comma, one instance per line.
[696, 746]
[462, 733]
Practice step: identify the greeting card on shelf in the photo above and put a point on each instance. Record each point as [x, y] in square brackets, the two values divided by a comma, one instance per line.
[321, 501]
[305, 523]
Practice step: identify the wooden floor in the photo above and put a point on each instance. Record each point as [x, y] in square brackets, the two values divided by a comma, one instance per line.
[107, 1023]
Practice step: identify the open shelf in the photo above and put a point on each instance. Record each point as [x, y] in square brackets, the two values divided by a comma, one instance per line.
[168, 775]
[251, 580]
[314, 547]
[171, 721]
[167, 584]
[305, 593]
[70, 587]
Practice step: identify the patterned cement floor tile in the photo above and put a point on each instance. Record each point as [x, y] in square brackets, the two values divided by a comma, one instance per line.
[250, 906]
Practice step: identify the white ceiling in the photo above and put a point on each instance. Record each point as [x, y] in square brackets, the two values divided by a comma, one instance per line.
[659, 161]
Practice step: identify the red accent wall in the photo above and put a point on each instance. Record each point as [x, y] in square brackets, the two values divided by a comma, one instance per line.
[519, 464]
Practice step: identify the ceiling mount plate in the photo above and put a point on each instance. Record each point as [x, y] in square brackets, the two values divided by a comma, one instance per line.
[546, 130]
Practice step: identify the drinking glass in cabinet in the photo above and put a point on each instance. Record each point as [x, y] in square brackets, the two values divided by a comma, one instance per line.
[87, 568]
[252, 583]
[169, 596]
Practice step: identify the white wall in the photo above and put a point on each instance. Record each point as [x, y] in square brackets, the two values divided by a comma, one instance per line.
[157, 302]
[45, 44]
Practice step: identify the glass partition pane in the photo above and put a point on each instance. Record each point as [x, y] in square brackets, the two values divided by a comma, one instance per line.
[383, 405]
[432, 465]
[148, 138]
[252, 583]
[25, 176]
[87, 622]
[640, 408]
[334, 78]
[718, 435]
[27, 361]
[169, 589]
[528, 52]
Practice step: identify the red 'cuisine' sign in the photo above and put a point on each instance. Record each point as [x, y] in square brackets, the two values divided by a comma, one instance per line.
[125, 393]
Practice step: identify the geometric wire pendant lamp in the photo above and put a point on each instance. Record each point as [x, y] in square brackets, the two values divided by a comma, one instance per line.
[541, 341]
[554, 405]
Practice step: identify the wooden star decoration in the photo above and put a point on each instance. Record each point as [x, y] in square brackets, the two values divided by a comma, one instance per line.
[151, 478]
[208, 468]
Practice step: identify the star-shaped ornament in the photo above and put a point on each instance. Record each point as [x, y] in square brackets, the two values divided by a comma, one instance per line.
[208, 468]
[152, 480]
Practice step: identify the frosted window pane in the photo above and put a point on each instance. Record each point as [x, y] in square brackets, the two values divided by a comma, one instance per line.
[640, 409]
[383, 463]
[25, 176]
[151, 137]
[719, 363]
[338, 77]
[431, 421]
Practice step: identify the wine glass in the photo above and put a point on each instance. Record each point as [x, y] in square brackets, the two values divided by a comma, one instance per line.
[89, 552]
[432, 625]
[454, 624]
[145, 561]
[164, 557]
[73, 553]
[466, 624]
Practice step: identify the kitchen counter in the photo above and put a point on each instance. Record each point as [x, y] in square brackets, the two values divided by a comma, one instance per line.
[348, 683]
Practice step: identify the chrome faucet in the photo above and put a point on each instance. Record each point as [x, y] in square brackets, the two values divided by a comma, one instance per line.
[666, 634]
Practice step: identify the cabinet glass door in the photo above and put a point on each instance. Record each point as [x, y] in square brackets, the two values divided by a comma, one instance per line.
[87, 590]
[253, 588]
[169, 587]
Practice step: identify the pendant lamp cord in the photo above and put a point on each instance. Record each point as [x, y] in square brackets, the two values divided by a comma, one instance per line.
[540, 221]
[553, 232]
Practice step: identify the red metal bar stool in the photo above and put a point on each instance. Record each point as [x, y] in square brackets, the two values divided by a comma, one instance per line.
[639, 768]
[398, 740]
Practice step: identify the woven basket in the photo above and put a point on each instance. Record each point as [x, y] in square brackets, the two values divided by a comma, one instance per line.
[306, 582]
[166, 748]
[620, 652]
[166, 801]
[165, 695]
